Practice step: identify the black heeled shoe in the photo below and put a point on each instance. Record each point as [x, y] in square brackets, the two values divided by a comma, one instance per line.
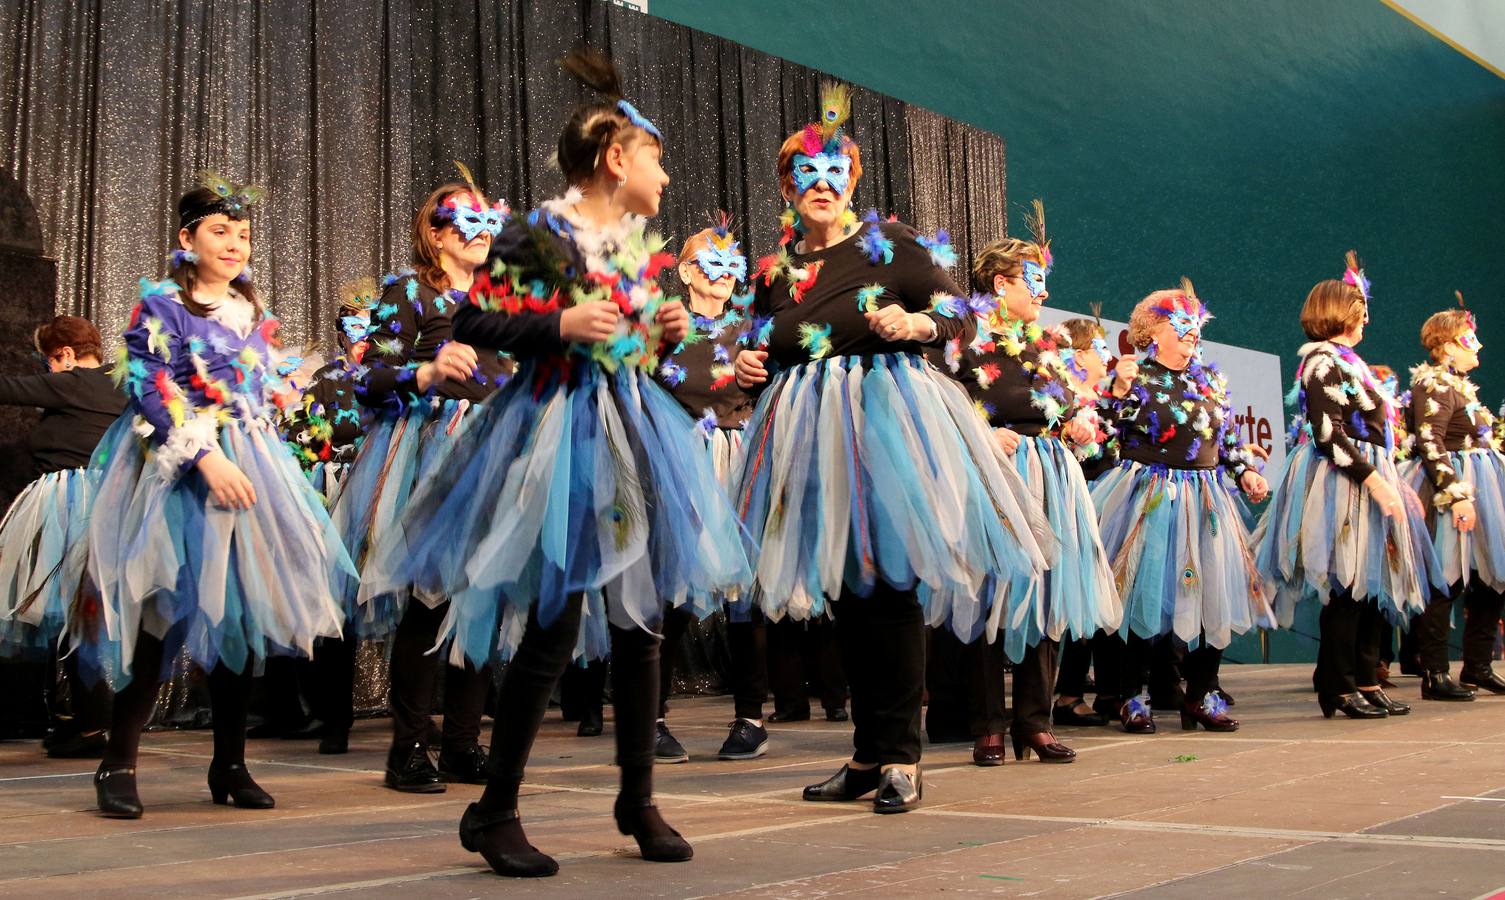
[1066, 714]
[1382, 700]
[115, 792]
[532, 864]
[1136, 716]
[1350, 705]
[1478, 679]
[591, 724]
[1441, 686]
[1049, 750]
[655, 847]
[897, 792]
[847, 784]
[1211, 713]
[234, 785]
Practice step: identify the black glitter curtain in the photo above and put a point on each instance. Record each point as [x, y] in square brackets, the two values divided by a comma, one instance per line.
[349, 112]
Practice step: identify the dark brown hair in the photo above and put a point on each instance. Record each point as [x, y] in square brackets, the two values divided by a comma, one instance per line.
[69, 331]
[593, 127]
[193, 207]
[425, 257]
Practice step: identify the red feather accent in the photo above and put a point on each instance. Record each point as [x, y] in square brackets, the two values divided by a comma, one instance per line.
[1166, 435]
[812, 271]
[135, 315]
[723, 381]
[813, 143]
[268, 329]
[163, 383]
[765, 268]
[657, 263]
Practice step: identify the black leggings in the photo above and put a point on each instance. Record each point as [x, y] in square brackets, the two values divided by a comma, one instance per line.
[229, 695]
[1349, 653]
[529, 680]
[1481, 624]
[1129, 662]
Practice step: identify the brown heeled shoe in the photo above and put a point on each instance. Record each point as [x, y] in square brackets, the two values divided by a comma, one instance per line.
[988, 750]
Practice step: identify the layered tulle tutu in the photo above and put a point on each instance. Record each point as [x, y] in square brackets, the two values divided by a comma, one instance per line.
[222, 584]
[326, 477]
[857, 470]
[394, 458]
[1181, 554]
[1322, 532]
[1481, 552]
[1076, 597]
[565, 481]
[43, 554]
[725, 445]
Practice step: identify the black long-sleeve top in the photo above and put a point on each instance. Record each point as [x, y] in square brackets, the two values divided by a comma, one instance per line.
[1446, 417]
[1180, 419]
[699, 372]
[1342, 403]
[326, 426]
[411, 323]
[78, 406]
[812, 298]
[1015, 377]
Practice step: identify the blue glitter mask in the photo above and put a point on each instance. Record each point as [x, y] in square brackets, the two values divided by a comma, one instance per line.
[717, 262]
[835, 169]
[1100, 347]
[1469, 341]
[470, 220]
[1034, 278]
[1185, 323]
[355, 328]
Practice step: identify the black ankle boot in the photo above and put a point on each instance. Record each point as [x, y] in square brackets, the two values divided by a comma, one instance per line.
[233, 784]
[410, 770]
[526, 864]
[1481, 678]
[847, 784]
[115, 791]
[657, 842]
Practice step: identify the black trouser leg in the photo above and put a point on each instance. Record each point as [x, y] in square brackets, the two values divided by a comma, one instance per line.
[748, 644]
[1075, 660]
[825, 656]
[333, 692]
[634, 698]
[229, 697]
[1033, 678]
[90, 702]
[676, 621]
[1134, 658]
[987, 707]
[786, 667]
[882, 640]
[464, 702]
[1481, 626]
[134, 703]
[1166, 674]
[414, 671]
[1366, 654]
[541, 658]
[582, 690]
[1433, 626]
[1339, 626]
[1201, 669]
[947, 712]
[281, 706]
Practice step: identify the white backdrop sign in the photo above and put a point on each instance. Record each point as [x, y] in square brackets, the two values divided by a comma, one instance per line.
[1254, 389]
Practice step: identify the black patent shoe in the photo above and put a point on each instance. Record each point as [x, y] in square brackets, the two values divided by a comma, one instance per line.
[591, 724]
[781, 716]
[531, 864]
[1382, 700]
[1066, 714]
[657, 842]
[1211, 713]
[897, 792]
[837, 714]
[335, 743]
[234, 785]
[847, 784]
[1136, 716]
[411, 771]
[78, 745]
[1483, 679]
[115, 791]
[464, 766]
[1441, 686]
[1353, 706]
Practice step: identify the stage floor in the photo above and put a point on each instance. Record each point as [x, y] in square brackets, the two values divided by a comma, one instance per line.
[1291, 804]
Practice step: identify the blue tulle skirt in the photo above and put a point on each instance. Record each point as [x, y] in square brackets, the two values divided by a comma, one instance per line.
[326, 477]
[395, 457]
[1076, 597]
[565, 482]
[1481, 552]
[1181, 554]
[225, 585]
[43, 552]
[858, 470]
[1323, 533]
